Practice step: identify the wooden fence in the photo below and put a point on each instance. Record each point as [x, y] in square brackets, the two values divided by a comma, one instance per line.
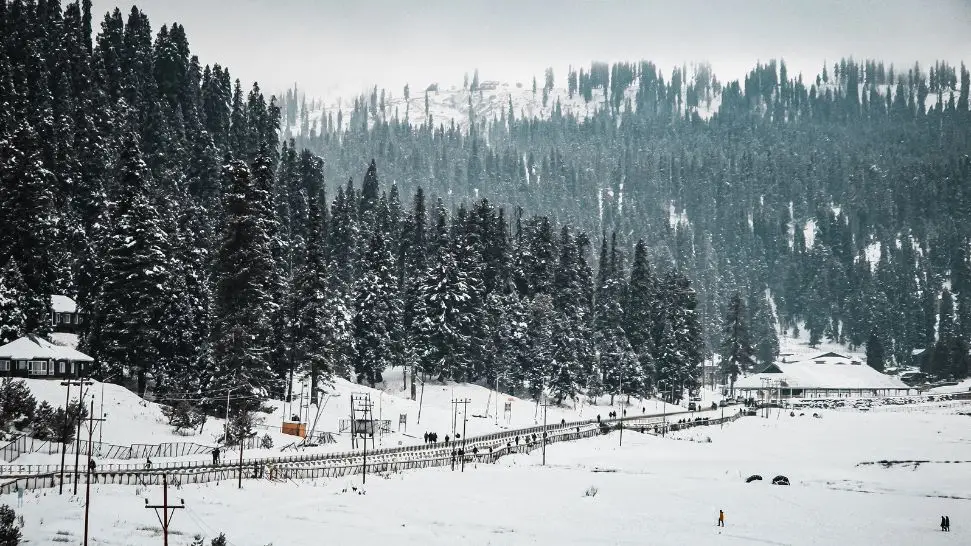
[485, 449]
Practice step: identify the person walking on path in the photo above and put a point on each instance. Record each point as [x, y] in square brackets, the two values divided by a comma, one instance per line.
[943, 523]
[721, 518]
[215, 455]
[20, 496]
[947, 523]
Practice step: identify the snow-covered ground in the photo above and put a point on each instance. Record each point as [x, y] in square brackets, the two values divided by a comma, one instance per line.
[132, 420]
[649, 491]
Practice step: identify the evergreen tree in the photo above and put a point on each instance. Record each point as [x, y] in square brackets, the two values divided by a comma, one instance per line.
[874, 352]
[377, 304]
[29, 229]
[736, 353]
[243, 267]
[310, 303]
[126, 335]
[12, 317]
[763, 329]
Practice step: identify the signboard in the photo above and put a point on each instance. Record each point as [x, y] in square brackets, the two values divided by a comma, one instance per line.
[364, 426]
[403, 422]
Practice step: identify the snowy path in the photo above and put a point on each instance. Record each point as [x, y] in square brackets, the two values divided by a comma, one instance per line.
[480, 449]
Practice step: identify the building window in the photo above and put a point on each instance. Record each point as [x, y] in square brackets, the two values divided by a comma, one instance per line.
[63, 367]
[38, 367]
[4, 365]
[21, 364]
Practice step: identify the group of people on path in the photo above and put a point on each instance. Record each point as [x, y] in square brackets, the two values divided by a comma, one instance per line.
[432, 438]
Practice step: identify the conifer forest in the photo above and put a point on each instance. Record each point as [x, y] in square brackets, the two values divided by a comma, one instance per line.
[218, 237]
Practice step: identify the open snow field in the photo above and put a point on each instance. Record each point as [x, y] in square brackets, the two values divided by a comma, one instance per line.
[650, 491]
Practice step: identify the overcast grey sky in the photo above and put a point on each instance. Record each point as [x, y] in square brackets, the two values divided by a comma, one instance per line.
[344, 45]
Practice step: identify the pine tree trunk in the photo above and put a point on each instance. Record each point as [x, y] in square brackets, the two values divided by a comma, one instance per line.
[142, 383]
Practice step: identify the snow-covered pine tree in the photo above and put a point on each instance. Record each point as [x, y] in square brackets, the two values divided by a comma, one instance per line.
[736, 349]
[131, 300]
[29, 227]
[310, 303]
[613, 348]
[414, 251]
[278, 279]
[185, 365]
[376, 301]
[642, 298]
[540, 343]
[874, 352]
[444, 293]
[687, 329]
[468, 250]
[12, 290]
[570, 323]
[763, 329]
[242, 301]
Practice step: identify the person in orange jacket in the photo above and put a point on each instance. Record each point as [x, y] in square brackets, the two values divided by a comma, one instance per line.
[721, 518]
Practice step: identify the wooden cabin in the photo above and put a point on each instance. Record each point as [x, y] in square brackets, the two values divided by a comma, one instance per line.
[35, 357]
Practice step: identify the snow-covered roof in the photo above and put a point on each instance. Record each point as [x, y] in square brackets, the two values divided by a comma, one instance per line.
[825, 371]
[32, 347]
[63, 304]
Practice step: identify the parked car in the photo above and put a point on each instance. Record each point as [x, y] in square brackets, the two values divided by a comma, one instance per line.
[722, 404]
[692, 406]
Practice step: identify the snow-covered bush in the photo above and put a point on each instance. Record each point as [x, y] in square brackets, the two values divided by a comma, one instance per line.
[17, 405]
[266, 442]
[219, 541]
[9, 530]
[591, 492]
[183, 417]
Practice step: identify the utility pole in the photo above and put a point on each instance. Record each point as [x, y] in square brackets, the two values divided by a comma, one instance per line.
[664, 411]
[361, 403]
[226, 425]
[87, 494]
[242, 439]
[545, 405]
[165, 518]
[67, 402]
[465, 411]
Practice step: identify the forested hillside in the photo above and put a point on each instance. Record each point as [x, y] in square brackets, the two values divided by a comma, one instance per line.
[847, 195]
[208, 259]
[212, 253]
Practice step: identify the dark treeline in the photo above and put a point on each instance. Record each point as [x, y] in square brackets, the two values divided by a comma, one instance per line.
[208, 259]
[844, 200]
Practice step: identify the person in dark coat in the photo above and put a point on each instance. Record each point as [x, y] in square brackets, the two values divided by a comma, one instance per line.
[943, 523]
[426, 437]
[598, 417]
[215, 456]
[446, 439]
[91, 465]
[721, 518]
[947, 523]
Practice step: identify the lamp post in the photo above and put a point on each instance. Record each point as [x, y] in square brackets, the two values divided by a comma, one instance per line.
[664, 410]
